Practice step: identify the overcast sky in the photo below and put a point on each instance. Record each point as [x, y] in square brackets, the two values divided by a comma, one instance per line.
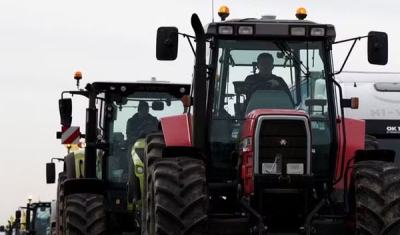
[43, 42]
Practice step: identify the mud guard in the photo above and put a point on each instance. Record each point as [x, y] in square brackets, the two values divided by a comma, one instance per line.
[386, 155]
[176, 130]
[70, 166]
[91, 186]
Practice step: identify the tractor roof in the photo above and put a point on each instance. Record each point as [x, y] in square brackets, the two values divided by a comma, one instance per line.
[269, 26]
[176, 89]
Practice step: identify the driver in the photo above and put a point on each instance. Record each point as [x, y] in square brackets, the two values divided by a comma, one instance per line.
[265, 65]
[141, 117]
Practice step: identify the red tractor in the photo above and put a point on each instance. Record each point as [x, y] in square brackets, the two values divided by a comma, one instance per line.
[258, 153]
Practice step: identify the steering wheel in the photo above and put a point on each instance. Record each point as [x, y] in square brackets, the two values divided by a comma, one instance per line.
[264, 85]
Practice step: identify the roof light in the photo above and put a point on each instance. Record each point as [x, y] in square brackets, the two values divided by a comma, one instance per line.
[245, 30]
[78, 75]
[301, 13]
[81, 145]
[226, 30]
[317, 32]
[223, 12]
[268, 17]
[298, 31]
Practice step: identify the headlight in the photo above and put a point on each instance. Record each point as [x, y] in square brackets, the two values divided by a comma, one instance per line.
[225, 30]
[245, 30]
[295, 168]
[298, 31]
[140, 169]
[317, 32]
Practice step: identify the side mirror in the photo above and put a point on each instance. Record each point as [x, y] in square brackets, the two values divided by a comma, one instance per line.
[65, 106]
[167, 43]
[18, 214]
[378, 48]
[50, 173]
[157, 105]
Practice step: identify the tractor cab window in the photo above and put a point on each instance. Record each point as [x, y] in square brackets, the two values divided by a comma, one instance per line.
[42, 221]
[131, 121]
[260, 74]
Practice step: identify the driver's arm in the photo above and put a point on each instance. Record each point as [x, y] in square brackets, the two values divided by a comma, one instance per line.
[251, 78]
[154, 120]
[131, 127]
[282, 83]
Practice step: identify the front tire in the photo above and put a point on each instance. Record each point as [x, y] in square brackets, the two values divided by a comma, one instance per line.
[175, 189]
[84, 215]
[377, 194]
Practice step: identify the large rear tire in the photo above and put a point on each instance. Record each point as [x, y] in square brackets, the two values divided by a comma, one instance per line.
[176, 197]
[84, 215]
[377, 197]
[154, 145]
[62, 176]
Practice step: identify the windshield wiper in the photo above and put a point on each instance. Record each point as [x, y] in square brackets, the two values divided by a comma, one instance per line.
[285, 49]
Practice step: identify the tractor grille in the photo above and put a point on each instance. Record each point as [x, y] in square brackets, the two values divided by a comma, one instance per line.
[283, 142]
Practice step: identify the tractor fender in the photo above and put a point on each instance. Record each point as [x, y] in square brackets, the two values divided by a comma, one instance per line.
[69, 162]
[74, 164]
[137, 162]
[355, 139]
[79, 186]
[177, 129]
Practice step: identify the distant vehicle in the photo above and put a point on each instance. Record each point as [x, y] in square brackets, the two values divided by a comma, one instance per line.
[379, 103]
[379, 95]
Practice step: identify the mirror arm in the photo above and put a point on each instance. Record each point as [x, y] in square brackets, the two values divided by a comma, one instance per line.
[58, 159]
[191, 45]
[348, 54]
[185, 36]
[82, 93]
[350, 39]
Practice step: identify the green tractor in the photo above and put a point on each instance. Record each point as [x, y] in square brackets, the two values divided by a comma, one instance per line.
[36, 219]
[100, 187]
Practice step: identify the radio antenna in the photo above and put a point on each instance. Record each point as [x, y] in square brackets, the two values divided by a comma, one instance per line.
[212, 9]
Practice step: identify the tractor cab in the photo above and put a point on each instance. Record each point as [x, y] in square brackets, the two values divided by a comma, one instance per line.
[118, 118]
[36, 218]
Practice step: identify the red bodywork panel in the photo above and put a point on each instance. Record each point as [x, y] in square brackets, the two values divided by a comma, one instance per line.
[246, 152]
[177, 133]
[355, 138]
[176, 130]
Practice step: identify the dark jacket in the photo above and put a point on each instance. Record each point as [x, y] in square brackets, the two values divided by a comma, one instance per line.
[135, 122]
[255, 78]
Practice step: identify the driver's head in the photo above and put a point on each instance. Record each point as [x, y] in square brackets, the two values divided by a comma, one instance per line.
[265, 63]
[143, 108]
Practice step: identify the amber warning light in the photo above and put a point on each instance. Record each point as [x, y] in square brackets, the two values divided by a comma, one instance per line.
[78, 77]
[301, 13]
[223, 12]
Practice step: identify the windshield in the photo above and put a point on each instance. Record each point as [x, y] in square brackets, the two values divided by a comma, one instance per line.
[260, 74]
[133, 120]
[42, 220]
[248, 67]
